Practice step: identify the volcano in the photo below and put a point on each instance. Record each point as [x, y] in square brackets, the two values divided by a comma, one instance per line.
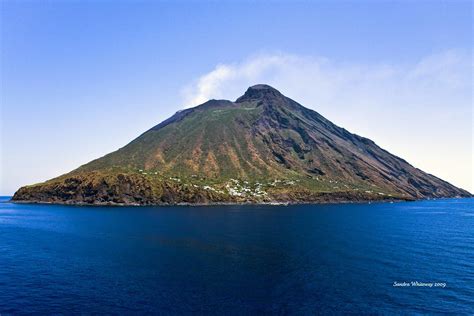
[262, 148]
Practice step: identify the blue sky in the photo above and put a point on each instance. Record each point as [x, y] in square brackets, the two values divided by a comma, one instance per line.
[83, 78]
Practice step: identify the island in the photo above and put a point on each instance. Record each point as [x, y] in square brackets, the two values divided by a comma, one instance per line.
[264, 148]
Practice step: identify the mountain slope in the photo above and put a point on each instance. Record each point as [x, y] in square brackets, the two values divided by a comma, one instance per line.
[264, 147]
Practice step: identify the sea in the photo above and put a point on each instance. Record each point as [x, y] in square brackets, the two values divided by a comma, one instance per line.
[370, 258]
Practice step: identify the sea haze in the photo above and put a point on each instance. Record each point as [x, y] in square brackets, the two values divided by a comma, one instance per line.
[238, 259]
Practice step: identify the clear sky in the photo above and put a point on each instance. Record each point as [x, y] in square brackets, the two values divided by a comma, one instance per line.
[82, 78]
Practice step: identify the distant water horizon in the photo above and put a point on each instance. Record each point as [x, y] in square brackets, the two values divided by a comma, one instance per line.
[402, 257]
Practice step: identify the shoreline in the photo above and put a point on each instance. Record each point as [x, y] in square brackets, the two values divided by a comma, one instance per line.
[282, 203]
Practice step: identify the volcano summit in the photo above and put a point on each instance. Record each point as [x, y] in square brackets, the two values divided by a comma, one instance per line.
[262, 148]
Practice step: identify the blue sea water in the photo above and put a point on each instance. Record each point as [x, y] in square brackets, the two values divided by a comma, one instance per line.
[305, 259]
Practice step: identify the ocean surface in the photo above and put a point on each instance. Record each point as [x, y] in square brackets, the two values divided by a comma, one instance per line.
[341, 258]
